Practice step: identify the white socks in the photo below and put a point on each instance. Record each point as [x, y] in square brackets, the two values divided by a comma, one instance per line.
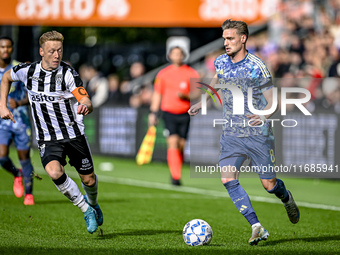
[70, 189]
[255, 225]
[91, 192]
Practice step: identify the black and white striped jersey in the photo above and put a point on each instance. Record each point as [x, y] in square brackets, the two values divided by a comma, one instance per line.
[54, 108]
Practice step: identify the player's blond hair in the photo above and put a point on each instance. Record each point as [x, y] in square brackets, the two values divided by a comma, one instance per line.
[240, 26]
[51, 36]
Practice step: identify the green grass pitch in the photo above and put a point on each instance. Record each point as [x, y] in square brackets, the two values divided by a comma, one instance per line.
[143, 214]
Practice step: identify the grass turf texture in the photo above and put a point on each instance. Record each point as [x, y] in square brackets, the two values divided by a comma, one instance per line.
[143, 214]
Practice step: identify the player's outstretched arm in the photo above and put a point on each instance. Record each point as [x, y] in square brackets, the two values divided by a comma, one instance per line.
[194, 109]
[6, 82]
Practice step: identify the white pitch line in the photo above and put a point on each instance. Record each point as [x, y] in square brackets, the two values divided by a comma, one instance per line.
[143, 195]
[204, 192]
[192, 190]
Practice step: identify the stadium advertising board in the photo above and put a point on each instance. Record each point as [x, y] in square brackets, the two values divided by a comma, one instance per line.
[147, 13]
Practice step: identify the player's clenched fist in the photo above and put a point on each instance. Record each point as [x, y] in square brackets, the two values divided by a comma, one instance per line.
[83, 109]
[194, 109]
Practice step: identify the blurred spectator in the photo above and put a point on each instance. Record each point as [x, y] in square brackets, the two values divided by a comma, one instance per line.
[302, 46]
[137, 69]
[95, 84]
[142, 96]
[331, 90]
[209, 60]
[115, 95]
[126, 92]
[284, 63]
[334, 70]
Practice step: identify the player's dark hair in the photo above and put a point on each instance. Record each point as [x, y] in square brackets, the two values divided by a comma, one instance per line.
[240, 26]
[7, 38]
[51, 36]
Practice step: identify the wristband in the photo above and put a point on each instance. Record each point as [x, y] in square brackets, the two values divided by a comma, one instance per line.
[155, 113]
[85, 106]
[263, 118]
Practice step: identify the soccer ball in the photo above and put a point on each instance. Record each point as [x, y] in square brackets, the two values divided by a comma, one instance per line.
[197, 232]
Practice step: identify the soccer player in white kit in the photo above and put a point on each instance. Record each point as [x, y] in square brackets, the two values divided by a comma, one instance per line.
[58, 103]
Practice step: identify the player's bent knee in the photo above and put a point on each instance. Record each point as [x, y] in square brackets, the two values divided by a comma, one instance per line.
[54, 169]
[268, 184]
[89, 179]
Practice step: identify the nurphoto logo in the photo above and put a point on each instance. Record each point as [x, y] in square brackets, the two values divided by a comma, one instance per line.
[204, 97]
[238, 103]
[238, 99]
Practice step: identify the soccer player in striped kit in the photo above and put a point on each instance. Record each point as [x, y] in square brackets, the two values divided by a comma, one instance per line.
[58, 103]
[19, 132]
[239, 68]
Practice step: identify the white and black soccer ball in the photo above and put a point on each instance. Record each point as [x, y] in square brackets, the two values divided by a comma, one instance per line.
[197, 232]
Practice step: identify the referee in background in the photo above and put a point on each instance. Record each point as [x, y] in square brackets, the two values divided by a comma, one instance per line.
[172, 96]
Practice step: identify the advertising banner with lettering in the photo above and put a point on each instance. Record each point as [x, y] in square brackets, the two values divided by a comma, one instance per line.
[136, 13]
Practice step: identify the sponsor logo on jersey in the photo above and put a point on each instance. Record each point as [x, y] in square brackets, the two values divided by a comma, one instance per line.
[45, 98]
[35, 78]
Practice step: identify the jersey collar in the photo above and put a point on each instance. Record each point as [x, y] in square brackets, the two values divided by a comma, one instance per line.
[240, 62]
[47, 71]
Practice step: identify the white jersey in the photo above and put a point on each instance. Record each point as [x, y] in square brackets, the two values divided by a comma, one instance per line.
[54, 108]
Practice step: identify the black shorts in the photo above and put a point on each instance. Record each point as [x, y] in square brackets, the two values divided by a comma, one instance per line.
[77, 150]
[177, 124]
